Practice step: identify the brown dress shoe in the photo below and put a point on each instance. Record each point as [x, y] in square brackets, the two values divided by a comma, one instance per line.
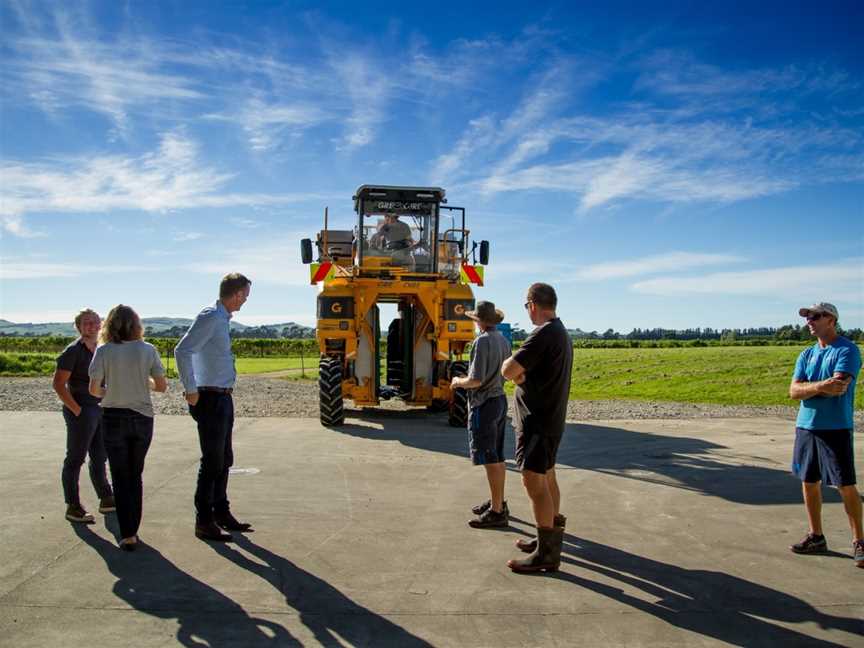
[230, 523]
[210, 531]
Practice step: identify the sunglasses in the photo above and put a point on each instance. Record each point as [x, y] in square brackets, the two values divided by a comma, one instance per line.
[526, 304]
[815, 317]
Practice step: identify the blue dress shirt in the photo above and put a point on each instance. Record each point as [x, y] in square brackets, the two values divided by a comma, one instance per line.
[204, 355]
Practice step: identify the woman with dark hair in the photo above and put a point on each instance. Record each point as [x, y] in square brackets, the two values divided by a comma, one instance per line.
[124, 370]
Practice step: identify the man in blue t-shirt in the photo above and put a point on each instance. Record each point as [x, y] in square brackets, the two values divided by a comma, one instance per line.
[824, 381]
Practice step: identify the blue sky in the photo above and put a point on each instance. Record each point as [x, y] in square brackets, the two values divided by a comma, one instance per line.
[662, 164]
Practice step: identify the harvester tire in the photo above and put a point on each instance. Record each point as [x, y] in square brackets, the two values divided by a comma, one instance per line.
[330, 392]
[458, 414]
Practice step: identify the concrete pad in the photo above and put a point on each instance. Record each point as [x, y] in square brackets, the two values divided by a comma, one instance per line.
[677, 536]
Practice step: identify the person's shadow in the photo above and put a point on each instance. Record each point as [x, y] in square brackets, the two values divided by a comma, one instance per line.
[152, 584]
[686, 463]
[710, 603]
[323, 609]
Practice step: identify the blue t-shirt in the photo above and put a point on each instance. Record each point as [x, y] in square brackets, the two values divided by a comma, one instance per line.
[816, 363]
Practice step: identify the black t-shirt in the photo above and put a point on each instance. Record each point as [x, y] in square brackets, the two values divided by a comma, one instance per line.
[541, 401]
[76, 358]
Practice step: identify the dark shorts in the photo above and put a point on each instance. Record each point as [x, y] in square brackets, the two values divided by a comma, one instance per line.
[486, 431]
[536, 451]
[824, 455]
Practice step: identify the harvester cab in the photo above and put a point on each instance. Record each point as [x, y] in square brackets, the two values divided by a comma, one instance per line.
[408, 248]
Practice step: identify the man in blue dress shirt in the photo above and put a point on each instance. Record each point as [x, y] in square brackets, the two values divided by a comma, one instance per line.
[206, 367]
[824, 381]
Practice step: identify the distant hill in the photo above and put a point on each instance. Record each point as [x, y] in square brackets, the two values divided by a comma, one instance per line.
[161, 327]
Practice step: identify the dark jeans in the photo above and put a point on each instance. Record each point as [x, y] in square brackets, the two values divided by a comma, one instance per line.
[83, 435]
[127, 439]
[214, 414]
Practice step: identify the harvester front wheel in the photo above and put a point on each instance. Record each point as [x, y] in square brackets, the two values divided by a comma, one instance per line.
[330, 392]
[458, 414]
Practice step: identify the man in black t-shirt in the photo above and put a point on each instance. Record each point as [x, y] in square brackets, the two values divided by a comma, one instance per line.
[541, 369]
[83, 418]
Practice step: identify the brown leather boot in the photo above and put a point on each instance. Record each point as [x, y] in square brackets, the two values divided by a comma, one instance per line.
[530, 545]
[547, 556]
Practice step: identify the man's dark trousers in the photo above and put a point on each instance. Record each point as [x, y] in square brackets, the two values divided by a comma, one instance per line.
[214, 414]
[84, 434]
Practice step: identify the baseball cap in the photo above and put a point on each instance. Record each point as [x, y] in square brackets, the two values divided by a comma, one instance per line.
[822, 307]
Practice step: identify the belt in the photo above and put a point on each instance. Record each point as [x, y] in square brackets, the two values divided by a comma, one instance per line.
[218, 390]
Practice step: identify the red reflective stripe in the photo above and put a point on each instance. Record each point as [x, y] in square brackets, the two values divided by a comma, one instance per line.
[473, 277]
[323, 269]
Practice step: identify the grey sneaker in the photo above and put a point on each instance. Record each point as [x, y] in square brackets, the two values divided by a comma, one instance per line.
[858, 557]
[811, 544]
[106, 505]
[480, 509]
[76, 513]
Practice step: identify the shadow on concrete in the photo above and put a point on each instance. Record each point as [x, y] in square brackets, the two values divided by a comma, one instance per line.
[682, 462]
[688, 463]
[152, 584]
[326, 611]
[710, 603]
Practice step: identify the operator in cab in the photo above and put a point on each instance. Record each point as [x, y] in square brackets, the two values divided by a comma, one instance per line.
[393, 234]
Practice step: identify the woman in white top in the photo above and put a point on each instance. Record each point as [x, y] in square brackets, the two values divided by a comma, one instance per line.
[123, 371]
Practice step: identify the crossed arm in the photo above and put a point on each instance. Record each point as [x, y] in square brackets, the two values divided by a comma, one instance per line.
[512, 370]
[834, 386]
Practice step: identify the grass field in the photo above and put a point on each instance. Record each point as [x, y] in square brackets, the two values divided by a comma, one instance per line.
[722, 375]
[27, 364]
[269, 365]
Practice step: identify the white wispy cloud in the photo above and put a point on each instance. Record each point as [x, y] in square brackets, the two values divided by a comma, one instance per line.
[245, 223]
[846, 281]
[169, 178]
[670, 262]
[680, 73]
[369, 91]
[261, 260]
[62, 62]
[679, 149]
[14, 224]
[479, 133]
[13, 270]
[488, 134]
[463, 61]
[181, 237]
[266, 124]
[113, 79]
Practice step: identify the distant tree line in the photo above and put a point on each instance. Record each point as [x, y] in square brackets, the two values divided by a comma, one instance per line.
[787, 333]
[293, 332]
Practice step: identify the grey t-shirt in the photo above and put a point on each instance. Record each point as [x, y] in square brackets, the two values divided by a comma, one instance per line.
[488, 353]
[124, 369]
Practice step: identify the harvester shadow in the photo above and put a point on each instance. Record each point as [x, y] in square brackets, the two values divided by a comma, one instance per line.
[152, 584]
[712, 603]
[326, 611]
[687, 463]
